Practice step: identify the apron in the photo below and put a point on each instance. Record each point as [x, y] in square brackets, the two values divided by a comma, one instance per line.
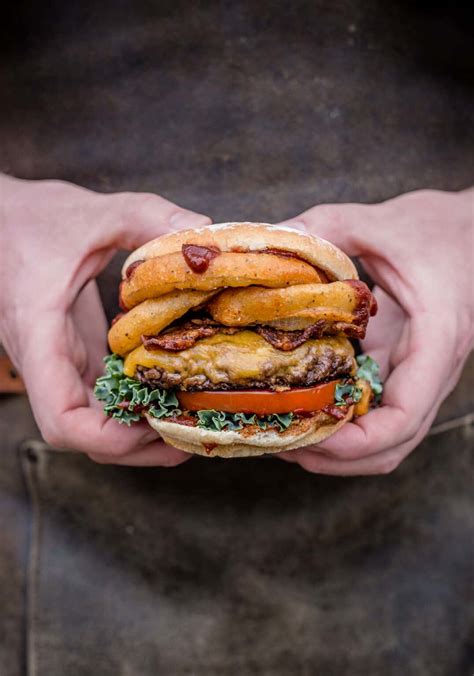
[241, 110]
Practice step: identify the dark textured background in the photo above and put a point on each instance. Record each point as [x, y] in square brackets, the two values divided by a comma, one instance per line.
[240, 110]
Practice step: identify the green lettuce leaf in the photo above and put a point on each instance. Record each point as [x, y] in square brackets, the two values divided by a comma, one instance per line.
[218, 420]
[280, 420]
[347, 391]
[369, 370]
[125, 397]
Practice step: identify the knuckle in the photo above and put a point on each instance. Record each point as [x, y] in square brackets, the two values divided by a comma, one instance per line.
[389, 464]
[333, 215]
[52, 436]
[410, 430]
[312, 463]
[372, 444]
[174, 461]
[134, 203]
[114, 452]
[184, 218]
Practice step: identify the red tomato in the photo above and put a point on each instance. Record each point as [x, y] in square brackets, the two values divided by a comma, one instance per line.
[261, 402]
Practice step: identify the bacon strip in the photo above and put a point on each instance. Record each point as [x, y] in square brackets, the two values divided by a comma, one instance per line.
[289, 340]
[185, 336]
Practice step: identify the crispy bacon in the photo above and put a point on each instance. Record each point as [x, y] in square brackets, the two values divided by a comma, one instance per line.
[185, 336]
[289, 340]
[337, 412]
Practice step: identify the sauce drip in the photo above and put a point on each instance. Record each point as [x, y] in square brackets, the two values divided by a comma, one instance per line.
[186, 420]
[198, 257]
[131, 269]
[367, 304]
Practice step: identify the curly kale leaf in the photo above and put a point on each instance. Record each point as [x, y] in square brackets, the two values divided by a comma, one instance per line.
[369, 370]
[218, 420]
[125, 397]
[347, 394]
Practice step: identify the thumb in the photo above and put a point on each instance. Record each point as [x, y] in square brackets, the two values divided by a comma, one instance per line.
[145, 216]
[345, 225]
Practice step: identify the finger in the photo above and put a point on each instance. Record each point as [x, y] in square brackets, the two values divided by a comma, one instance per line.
[381, 463]
[384, 331]
[146, 216]
[60, 399]
[357, 229]
[91, 324]
[340, 224]
[412, 395]
[318, 463]
[156, 454]
[128, 220]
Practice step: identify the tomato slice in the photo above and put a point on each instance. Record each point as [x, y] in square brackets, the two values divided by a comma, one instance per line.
[262, 402]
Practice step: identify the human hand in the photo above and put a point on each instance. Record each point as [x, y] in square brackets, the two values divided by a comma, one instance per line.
[56, 238]
[418, 249]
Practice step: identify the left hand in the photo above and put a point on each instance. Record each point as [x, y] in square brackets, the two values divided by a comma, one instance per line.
[418, 250]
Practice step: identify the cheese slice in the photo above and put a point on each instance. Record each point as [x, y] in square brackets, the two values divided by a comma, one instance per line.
[244, 355]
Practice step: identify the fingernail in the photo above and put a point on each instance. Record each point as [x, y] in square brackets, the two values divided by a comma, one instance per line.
[188, 219]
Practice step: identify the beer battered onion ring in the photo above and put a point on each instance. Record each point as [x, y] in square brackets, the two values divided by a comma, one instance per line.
[151, 317]
[289, 308]
[163, 274]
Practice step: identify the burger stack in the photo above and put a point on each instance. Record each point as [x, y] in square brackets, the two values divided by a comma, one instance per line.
[235, 340]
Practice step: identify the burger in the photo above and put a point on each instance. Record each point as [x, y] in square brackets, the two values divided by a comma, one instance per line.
[235, 340]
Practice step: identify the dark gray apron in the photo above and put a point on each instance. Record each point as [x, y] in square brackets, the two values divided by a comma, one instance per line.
[242, 110]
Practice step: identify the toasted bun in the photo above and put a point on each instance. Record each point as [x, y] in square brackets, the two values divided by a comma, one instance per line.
[234, 444]
[252, 237]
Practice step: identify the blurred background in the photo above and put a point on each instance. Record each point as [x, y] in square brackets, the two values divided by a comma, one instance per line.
[240, 110]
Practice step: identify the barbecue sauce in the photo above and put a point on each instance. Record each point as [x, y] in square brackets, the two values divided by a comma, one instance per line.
[367, 304]
[186, 420]
[198, 257]
[131, 269]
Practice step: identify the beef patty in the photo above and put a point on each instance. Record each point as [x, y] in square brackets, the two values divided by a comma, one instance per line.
[308, 365]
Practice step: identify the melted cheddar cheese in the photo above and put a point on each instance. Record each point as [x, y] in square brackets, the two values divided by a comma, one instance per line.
[242, 356]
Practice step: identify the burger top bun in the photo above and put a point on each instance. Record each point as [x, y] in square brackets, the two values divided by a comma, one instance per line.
[252, 237]
[237, 443]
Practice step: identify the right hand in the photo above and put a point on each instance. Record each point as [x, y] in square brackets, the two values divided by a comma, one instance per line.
[57, 238]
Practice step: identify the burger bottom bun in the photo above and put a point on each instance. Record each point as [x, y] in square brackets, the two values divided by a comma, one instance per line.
[235, 444]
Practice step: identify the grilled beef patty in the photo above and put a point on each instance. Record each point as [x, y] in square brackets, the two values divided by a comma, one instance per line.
[311, 371]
